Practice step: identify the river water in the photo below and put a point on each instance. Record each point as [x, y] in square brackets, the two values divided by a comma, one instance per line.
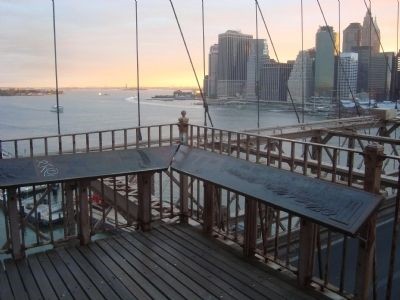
[85, 110]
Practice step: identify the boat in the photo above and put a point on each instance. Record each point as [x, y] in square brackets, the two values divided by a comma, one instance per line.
[54, 108]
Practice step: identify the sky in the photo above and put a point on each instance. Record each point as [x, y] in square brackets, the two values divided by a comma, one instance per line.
[96, 38]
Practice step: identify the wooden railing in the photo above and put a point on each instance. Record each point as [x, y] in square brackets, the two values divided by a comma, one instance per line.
[113, 201]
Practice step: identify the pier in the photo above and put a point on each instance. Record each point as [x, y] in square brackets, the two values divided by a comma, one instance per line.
[278, 217]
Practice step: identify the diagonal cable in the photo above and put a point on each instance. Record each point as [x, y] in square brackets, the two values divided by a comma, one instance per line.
[205, 105]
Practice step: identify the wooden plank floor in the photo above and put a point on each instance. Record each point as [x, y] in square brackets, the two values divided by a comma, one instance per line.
[170, 262]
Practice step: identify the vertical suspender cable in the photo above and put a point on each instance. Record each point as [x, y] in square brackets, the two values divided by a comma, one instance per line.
[370, 54]
[55, 68]
[257, 71]
[337, 65]
[204, 56]
[302, 62]
[340, 65]
[191, 63]
[137, 69]
[277, 58]
[397, 54]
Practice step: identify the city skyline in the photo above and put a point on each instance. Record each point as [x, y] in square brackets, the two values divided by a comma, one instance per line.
[96, 43]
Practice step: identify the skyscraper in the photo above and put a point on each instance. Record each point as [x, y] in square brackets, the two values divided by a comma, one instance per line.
[380, 75]
[352, 37]
[363, 68]
[273, 81]
[326, 43]
[253, 70]
[302, 75]
[371, 34]
[212, 71]
[347, 72]
[233, 53]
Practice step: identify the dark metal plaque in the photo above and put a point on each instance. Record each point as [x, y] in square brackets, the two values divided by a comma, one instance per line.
[29, 171]
[332, 205]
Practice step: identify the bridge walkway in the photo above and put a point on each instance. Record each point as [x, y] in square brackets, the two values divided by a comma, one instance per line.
[169, 262]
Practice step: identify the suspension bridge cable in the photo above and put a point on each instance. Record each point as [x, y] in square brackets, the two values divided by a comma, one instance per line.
[302, 61]
[276, 55]
[204, 52]
[137, 67]
[55, 68]
[257, 71]
[340, 64]
[397, 51]
[205, 105]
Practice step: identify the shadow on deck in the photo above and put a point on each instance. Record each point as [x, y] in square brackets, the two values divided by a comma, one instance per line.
[170, 262]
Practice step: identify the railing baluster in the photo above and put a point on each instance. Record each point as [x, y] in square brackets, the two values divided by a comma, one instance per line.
[30, 147]
[16, 149]
[160, 136]
[74, 143]
[292, 156]
[113, 139]
[87, 143]
[212, 140]
[46, 146]
[229, 150]
[220, 141]
[161, 195]
[247, 147]
[238, 145]
[148, 137]
[305, 159]
[100, 141]
[334, 164]
[125, 139]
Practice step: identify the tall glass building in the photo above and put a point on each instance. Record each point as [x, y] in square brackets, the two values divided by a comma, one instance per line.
[233, 53]
[326, 43]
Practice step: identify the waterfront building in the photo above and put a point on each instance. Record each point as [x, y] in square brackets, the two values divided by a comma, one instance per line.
[371, 34]
[347, 74]
[212, 71]
[302, 76]
[254, 67]
[233, 54]
[380, 76]
[326, 43]
[274, 79]
[352, 37]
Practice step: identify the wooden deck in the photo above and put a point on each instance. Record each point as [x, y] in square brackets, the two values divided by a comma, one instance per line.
[170, 262]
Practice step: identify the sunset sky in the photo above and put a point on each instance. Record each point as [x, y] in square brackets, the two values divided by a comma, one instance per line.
[96, 38]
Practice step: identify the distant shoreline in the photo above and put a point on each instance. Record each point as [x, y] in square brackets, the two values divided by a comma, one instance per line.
[27, 92]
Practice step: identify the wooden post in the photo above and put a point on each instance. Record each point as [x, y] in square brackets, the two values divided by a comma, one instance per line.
[184, 198]
[144, 193]
[70, 209]
[15, 224]
[373, 157]
[183, 179]
[84, 219]
[306, 248]
[315, 151]
[210, 194]
[250, 227]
